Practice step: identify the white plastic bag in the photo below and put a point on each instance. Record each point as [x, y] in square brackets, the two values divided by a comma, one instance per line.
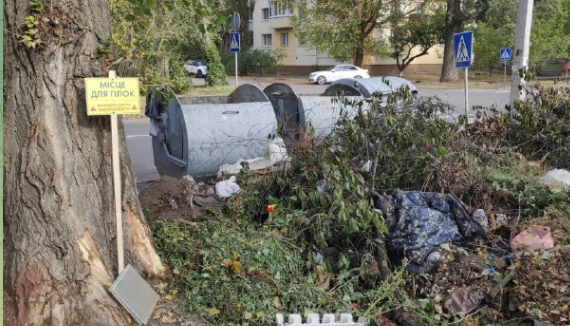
[227, 188]
[556, 179]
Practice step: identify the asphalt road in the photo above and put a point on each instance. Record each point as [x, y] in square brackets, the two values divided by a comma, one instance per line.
[140, 147]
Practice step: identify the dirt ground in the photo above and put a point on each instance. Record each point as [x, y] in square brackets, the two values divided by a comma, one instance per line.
[172, 199]
[533, 283]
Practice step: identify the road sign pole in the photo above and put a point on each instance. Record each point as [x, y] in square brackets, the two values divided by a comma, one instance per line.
[236, 20]
[505, 75]
[466, 95]
[117, 183]
[236, 59]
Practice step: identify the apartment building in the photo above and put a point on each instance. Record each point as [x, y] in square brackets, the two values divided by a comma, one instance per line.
[270, 28]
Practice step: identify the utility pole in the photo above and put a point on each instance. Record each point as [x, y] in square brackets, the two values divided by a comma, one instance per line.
[521, 50]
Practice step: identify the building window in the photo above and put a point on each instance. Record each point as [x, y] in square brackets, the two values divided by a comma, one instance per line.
[284, 39]
[250, 15]
[280, 9]
[266, 13]
[266, 39]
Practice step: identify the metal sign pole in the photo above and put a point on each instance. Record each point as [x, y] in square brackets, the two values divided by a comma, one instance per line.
[236, 59]
[117, 183]
[466, 95]
[505, 75]
[236, 24]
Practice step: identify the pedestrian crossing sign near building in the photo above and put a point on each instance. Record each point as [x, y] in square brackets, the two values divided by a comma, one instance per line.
[505, 54]
[463, 44]
[234, 42]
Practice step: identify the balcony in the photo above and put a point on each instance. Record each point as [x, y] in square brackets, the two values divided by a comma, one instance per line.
[279, 21]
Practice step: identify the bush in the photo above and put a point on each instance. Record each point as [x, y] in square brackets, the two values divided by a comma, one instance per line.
[216, 75]
[252, 61]
[159, 71]
[539, 129]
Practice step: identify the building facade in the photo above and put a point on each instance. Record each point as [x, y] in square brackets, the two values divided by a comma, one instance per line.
[270, 28]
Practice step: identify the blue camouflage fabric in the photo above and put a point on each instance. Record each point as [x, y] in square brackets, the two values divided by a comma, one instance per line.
[419, 221]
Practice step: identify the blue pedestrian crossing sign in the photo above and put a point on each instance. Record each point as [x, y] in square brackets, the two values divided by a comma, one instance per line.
[234, 42]
[505, 54]
[463, 44]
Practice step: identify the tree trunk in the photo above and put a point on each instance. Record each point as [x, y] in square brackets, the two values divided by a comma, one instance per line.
[359, 54]
[448, 70]
[59, 217]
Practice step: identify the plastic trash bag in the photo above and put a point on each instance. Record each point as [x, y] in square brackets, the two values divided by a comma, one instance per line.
[420, 221]
[227, 188]
[535, 237]
[556, 179]
[463, 301]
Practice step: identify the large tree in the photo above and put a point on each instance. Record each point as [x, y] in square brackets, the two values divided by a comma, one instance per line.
[59, 220]
[549, 35]
[344, 28]
[167, 33]
[412, 37]
[550, 38]
[459, 12]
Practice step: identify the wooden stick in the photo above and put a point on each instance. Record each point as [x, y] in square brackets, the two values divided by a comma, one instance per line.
[117, 184]
[499, 287]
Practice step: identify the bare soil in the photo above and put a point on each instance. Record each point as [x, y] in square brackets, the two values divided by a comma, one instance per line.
[172, 199]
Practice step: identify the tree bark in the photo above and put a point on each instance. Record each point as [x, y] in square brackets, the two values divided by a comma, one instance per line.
[448, 70]
[59, 221]
[359, 54]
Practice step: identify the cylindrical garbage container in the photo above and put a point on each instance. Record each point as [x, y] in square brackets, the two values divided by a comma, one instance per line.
[284, 103]
[196, 139]
[368, 87]
[322, 113]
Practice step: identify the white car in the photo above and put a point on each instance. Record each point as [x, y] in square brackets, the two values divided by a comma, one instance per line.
[337, 72]
[196, 67]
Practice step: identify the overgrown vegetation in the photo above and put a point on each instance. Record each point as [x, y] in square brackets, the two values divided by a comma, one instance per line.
[323, 247]
[159, 37]
[253, 61]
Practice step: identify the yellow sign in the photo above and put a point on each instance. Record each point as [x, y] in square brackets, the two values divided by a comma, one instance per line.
[106, 96]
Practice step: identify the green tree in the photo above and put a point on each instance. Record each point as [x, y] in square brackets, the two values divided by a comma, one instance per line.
[458, 13]
[413, 37]
[158, 33]
[495, 31]
[344, 28]
[549, 37]
[243, 7]
[549, 34]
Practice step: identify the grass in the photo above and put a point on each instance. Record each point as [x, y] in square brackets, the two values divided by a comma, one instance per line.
[203, 90]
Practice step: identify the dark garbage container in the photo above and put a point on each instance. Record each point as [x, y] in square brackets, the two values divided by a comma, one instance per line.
[193, 137]
[368, 87]
[286, 109]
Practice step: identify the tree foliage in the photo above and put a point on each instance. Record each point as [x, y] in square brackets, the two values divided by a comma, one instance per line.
[549, 33]
[344, 28]
[549, 37]
[159, 33]
[459, 13]
[413, 37]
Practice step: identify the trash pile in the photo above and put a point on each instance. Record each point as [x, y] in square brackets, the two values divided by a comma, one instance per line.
[513, 270]
[390, 218]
